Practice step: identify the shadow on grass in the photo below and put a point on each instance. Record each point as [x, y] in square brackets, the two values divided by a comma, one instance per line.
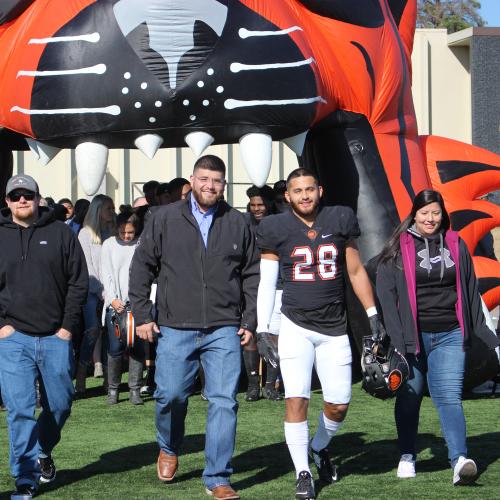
[350, 451]
[121, 460]
[354, 456]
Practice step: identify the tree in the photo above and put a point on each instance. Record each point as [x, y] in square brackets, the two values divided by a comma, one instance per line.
[454, 15]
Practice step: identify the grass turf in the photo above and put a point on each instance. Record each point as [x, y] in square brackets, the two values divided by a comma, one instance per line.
[110, 452]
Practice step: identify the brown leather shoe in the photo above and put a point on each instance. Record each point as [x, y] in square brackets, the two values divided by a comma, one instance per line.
[223, 492]
[166, 466]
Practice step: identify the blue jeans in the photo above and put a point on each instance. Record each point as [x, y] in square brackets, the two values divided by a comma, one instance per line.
[441, 361]
[23, 359]
[177, 360]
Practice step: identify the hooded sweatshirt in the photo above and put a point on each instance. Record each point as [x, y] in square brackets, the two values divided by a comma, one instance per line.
[43, 275]
[397, 293]
[436, 284]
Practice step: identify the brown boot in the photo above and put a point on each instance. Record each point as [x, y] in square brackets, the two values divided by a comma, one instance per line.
[166, 466]
[223, 492]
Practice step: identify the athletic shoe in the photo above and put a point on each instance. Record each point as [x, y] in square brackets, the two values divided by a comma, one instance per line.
[253, 393]
[304, 487]
[406, 467]
[271, 393]
[202, 396]
[147, 390]
[326, 470]
[48, 469]
[23, 492]
[464, 472]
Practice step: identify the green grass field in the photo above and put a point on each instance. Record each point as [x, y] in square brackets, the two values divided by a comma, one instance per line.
[110, 452]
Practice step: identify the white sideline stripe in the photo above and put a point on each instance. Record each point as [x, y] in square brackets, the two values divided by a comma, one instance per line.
[236, 67]
[98, 69]
[92, 37]
[236, 103]
[108, 110]
[244, 33]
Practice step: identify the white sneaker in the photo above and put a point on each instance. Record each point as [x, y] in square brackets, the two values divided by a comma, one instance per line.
[464, 472]
[406, 467]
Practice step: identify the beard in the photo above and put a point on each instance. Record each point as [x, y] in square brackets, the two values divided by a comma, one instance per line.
[206, 199]
[305, 211]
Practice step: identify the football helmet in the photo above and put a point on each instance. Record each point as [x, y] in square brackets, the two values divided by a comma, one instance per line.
[383, 367]
[124, 324]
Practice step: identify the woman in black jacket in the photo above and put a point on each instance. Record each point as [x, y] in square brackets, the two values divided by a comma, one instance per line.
[431, 305]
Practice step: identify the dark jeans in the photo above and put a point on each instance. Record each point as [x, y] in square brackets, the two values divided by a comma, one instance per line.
[91, 329]
[441, 362]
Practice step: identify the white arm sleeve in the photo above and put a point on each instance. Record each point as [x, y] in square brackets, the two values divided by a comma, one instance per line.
[269, 270]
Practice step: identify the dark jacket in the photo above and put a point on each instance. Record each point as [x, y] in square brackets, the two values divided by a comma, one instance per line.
[198, 287]
[396, 290]
[43, 275]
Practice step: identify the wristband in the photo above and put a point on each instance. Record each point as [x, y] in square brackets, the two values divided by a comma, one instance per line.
[371, 311]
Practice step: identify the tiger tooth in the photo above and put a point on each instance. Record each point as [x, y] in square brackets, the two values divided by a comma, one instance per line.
[43, 152]
[198, 141]
[91, 160]
[148, 144]
[296, 142]
[256, 154]
[32, 144]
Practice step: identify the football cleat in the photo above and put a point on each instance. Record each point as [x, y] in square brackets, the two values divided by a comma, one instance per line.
[464, 472]
[47, 469]
[271, 393]
[253, 393]
[326, 469]
[304, 487]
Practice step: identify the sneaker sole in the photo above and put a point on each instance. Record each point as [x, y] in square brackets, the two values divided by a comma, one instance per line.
[406, 476]
[467, 474]
[46, 481]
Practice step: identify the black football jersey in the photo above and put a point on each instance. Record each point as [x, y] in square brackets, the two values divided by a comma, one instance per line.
[312, 265]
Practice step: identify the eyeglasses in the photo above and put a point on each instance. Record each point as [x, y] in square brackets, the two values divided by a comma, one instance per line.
[27, 195]
[208, 180]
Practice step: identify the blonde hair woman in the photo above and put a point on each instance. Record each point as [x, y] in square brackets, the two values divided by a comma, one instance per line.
[98, 225]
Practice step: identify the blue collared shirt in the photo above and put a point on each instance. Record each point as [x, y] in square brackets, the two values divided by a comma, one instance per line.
[204, 219]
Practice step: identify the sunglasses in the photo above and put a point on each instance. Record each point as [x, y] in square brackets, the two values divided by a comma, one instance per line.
[27, 195]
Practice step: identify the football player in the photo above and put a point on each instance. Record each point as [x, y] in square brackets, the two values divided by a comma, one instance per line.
[313, 249]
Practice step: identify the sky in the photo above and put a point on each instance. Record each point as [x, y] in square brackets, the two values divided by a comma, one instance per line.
[490, 12]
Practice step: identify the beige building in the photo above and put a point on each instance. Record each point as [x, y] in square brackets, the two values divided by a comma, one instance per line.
[447, 100]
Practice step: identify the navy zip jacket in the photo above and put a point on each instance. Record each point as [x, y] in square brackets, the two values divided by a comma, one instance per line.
[43, 275]
[198, 287]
